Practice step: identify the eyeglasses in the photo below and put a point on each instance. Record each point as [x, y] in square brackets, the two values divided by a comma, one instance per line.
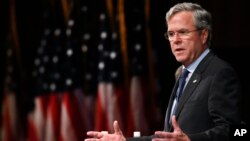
[183, 33]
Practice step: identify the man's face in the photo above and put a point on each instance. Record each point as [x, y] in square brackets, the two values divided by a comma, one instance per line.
[186, 41]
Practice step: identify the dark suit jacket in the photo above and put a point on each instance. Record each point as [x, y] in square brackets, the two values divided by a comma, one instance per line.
[210, 102]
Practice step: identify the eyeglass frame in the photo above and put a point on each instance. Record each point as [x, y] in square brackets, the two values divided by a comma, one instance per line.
[180, 33]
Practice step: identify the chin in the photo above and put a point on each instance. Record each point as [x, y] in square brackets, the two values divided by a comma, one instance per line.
[180, 60]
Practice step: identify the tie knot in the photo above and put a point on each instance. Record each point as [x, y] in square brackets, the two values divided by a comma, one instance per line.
[184, 73]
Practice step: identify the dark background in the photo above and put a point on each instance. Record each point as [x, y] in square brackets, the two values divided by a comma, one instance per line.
[230, 39]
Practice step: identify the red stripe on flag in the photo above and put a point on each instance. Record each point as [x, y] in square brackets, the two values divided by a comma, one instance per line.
[37, 119]
[71, 120]
[101, 104]
[109, 107]
[32, 129]
[9, 123]
[52, 129]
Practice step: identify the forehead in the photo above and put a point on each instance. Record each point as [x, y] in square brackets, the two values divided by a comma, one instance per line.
[180, 20]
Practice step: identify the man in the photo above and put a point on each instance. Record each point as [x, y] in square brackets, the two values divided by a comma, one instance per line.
[205, 103]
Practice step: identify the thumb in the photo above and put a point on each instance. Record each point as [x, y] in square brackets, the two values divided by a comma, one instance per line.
[175, 124]
[117, 128]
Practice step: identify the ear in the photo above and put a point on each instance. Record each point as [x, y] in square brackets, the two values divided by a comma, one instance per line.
[204, 35]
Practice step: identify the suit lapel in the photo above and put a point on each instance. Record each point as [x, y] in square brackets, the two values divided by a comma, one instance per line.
[170, 104]
[193, 82]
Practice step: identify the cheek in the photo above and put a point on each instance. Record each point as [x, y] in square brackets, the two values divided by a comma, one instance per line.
[192, 47]
[172, 50]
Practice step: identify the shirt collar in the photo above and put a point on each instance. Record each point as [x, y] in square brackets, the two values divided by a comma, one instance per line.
[191, 68]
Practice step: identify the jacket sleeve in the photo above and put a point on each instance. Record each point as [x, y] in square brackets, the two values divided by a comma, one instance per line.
[143, 138]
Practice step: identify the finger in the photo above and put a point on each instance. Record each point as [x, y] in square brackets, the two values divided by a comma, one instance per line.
[117, 128]
[175, 124]
[95, 134]
[91, 139]
[158, 139]
[162, 134]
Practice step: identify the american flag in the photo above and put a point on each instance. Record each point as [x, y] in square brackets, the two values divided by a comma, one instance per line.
[37, 118]
[141, 99]
[9, 104]
[79, 77]
[88, 42]
[71, 117]
[110, 86]
[58, 80]
[11, 107]
[44, 120]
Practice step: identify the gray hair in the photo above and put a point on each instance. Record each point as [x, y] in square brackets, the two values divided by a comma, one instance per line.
[202, 18]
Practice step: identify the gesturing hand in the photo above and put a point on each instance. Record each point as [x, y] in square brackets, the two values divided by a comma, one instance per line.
[99, 136]
[176, 135]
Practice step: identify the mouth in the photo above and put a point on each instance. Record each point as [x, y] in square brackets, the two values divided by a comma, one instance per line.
[179, 50]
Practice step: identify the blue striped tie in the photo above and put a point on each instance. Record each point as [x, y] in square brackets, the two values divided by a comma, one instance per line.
[181, 84]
